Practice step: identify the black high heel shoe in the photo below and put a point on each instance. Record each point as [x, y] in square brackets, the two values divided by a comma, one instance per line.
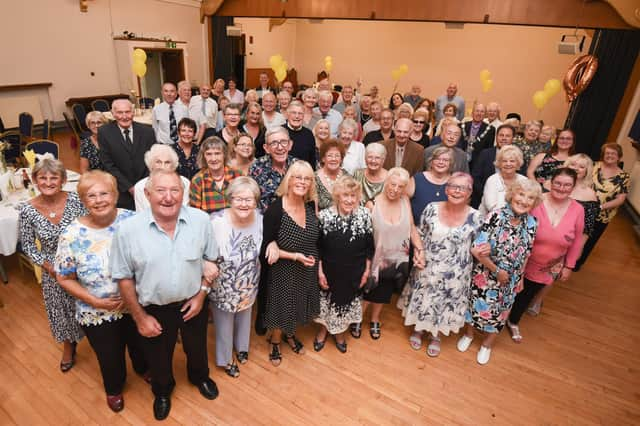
[66, 366]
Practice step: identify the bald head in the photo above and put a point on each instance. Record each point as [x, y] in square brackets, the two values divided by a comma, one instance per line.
[478, 112]
[402, 129]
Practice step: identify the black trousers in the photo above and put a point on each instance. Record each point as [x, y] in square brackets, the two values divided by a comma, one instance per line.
[108, 341]
[159, 350]
[523, 299]
[598, 230]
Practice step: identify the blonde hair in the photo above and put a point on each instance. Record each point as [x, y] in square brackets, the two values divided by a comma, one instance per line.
[399, 172]
[92, 177]
[511, 151]
[588, 177]
[346, 184]
[528, 186]
[303, 168]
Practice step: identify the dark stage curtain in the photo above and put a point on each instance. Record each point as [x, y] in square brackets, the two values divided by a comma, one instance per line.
[228, 54]
[592, 113]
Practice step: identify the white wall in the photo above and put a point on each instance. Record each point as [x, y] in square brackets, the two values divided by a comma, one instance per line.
[52, 41]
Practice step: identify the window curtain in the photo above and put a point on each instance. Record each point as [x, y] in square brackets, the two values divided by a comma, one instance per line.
[592, 113]
[228, 57]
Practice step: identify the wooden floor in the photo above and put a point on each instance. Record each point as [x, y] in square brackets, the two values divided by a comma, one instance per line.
[578, 364]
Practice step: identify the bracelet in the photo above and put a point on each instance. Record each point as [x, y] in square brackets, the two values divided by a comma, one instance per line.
[206, 289]
[496, 271]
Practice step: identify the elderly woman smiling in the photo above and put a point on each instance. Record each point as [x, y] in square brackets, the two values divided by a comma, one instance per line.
[89, 149]
[499, 265]
[238, 233]
[209, 185]
[346, 250]
[331, 154]
[82, 266]
[508, 161]
[158, 157]
[354, 151]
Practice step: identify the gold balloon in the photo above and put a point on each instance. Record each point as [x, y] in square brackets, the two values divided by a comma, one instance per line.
[139, 69]
[395, 74]
[539, 99]
[579, 76]
[328, 66]
[139, 55]
[404, 68]
[552, 87]
[487, 85]
[485, 75]
[328, 59]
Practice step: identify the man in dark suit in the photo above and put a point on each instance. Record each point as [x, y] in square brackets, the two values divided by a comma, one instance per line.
[123, 144]
[484, 165]
[402, 151]
[476, 134]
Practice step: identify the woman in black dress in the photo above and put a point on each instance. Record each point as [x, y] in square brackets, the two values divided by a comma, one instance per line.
[346, 250]
[290, 245]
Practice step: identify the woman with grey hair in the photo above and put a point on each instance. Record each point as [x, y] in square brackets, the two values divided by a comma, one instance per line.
[43, 219]
[429, 186]
[238, 234]
[372, 177]
[500, 250]
[354, 150]
[89, 149]
[529, 144]
[209, 185]
[158, 157]
[435, 298]
[309, 101]
[508, 161]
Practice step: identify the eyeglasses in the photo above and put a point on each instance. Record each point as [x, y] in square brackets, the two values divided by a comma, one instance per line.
[419, 122]
[244, 145]
[562, 185]
[459, 188]
[95, 123]
[441, 160]
[241, 201]
[282, 143]
[232, 114]
[333, 157]
[300, 178]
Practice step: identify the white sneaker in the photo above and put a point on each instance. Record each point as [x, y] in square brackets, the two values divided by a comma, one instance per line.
[464, 342]
[483, 355]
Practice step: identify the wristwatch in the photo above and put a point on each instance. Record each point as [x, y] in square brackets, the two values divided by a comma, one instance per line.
[206, 289]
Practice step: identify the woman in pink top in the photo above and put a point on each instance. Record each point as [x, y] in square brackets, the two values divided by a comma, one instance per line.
[557, 245]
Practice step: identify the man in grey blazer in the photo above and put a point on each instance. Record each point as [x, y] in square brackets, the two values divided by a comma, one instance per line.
[123, 144]
[402, 151]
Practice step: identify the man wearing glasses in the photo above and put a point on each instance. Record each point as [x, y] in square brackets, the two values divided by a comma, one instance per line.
[269, 170]
[303, 142]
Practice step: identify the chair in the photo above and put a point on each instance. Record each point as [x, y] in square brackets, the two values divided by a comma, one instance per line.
[80, 115]
[75, 137]
[43, 146]
[14, 152]
[25, 124]
[100, 105]
[146, 103]
[2, 129]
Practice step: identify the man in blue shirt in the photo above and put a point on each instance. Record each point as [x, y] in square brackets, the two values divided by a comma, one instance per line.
[158, 258]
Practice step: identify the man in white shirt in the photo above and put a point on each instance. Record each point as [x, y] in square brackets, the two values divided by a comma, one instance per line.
[167, 115]
[264, 86]
[203, 109]
[270, 116]
[493, 115]
[324, 111]
[184, 93]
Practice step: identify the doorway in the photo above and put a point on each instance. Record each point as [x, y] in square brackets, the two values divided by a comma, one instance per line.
[163, 65]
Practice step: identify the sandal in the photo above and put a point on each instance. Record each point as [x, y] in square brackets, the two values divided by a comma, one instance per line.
[275, 356]
[342, 346]
[66, 366]
[374, 330]
[295, 344]
[515, 332]
[232, 370]
[534, 309]
[242, 357]
[356, 330]
[318, 345]
[433, 350]
[415, 340]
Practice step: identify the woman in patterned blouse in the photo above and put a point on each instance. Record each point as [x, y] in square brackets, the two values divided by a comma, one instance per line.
[82, 267]
[238, 232]
[89, 149]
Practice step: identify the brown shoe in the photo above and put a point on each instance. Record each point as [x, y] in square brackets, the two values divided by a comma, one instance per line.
[115, 402]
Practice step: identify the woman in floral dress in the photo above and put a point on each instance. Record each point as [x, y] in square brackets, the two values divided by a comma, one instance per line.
[346, 250]
[501, 251]
[436, 297]
[82, 266]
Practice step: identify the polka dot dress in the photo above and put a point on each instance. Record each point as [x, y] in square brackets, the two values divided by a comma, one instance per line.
[293, 294]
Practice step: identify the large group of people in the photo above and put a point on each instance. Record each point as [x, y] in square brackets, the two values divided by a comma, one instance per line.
[315, 211]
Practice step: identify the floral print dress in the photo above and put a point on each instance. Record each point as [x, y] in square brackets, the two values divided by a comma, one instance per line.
[490, 302]
[436, 297]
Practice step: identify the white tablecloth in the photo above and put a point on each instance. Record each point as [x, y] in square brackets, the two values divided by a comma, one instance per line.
[10, 207]
[143, 118]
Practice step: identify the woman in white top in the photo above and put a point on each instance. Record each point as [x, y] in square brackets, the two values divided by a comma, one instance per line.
[354, 150]
[508, 160]
[235, 96]
[158, 157]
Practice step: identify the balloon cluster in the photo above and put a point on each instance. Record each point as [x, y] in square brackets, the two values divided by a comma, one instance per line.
[328, 63]
[485, 79]
[399, 72]
[279, 67]
[541, 97]
[139, 65]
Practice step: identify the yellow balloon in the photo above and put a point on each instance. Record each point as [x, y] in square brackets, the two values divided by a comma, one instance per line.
[540, 99]
[395, 74]
[404, 68]
[139, 69]
[275, 61]
[281, 74]
[284, 65]
[328, 59]
[487, 85]
[139, 55]
[328, 66]
[552, 87]
[485, 75]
